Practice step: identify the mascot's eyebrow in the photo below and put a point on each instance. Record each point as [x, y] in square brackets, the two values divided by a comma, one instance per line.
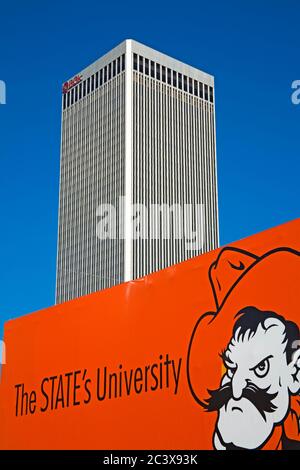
[226, 359]
[265, 359]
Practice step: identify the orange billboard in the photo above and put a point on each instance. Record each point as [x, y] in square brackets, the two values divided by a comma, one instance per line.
[202, 355]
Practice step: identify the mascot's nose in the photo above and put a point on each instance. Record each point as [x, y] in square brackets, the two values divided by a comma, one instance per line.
[238, 385]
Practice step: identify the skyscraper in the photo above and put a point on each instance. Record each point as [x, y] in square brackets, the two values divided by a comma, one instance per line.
[138, 127]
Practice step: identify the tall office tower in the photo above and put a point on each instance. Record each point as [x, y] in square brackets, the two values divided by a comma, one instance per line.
[141, 125]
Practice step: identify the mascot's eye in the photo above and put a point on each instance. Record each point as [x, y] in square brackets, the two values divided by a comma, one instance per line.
[262, 368]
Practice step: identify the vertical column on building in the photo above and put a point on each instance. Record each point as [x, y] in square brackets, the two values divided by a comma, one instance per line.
[128, 164]
[58, 248]
[217, 241]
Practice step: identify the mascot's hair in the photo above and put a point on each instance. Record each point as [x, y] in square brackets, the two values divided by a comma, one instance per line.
[249, 319]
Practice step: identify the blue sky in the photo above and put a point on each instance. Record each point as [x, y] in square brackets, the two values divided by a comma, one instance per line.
[252, 49]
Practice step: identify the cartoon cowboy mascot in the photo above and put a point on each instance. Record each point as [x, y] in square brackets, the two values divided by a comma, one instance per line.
[244, 358]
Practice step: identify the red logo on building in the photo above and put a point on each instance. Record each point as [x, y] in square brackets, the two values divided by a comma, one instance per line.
[68, 85]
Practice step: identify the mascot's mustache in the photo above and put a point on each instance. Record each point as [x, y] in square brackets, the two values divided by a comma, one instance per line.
[260, 398]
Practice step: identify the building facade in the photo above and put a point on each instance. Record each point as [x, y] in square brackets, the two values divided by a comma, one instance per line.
[138, 134]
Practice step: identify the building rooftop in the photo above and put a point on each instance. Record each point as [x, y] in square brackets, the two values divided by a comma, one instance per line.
[151, 54]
